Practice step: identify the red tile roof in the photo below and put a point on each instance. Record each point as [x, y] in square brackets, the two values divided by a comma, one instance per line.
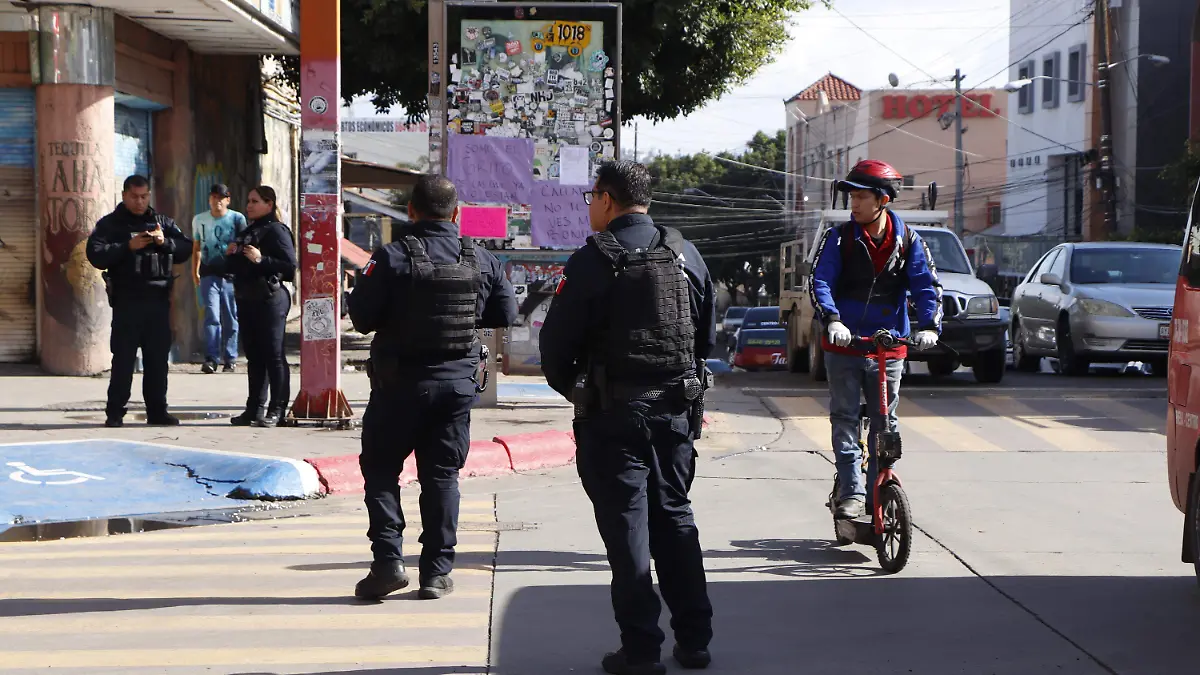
[835, 87]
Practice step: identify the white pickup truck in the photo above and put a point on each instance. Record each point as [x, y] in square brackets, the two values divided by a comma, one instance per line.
[973, 332]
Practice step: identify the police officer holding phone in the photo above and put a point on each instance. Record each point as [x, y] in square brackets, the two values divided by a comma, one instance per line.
[137, 248]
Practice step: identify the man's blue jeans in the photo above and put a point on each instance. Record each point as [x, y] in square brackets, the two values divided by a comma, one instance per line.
[850, 378]
[220, 319]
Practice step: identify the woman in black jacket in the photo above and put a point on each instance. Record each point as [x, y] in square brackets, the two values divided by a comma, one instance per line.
[260, 260]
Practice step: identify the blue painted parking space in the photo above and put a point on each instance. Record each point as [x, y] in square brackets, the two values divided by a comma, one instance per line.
[526, 390]
[81, 480]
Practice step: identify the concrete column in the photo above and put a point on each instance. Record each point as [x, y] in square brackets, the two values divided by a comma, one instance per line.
[74, 75]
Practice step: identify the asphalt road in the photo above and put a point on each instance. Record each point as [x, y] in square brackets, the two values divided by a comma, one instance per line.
[1046, 542]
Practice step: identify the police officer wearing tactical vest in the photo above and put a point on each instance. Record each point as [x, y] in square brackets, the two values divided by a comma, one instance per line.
[625, 340]
[137, 248]
[425, 297]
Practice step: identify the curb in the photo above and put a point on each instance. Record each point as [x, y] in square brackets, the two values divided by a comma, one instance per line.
[541, 450]
[500, 456]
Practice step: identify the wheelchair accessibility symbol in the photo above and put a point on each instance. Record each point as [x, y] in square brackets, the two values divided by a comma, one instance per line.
[27, 474]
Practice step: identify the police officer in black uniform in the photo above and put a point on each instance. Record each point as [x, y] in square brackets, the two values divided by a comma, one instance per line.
[625, 340]
[137, 248]
[424, 296]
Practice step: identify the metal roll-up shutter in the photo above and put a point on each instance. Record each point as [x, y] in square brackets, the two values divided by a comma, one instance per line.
[18, 227]
[132, 149]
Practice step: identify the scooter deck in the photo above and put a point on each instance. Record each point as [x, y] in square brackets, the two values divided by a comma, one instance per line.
[859, 530]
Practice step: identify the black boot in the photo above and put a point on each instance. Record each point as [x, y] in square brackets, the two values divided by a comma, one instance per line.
[386, 576]
[617, 663]
[252, 414]
[436, 587]
[275, 414]
[163, 419]
[692, 659]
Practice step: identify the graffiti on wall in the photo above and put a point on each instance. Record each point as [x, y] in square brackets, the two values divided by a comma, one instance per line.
[76, 192]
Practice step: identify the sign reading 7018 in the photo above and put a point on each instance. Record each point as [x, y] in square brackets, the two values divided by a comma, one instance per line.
[572, 35]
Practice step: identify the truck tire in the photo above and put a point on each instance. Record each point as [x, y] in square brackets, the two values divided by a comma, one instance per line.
[989, 367]
[798, 356]
[816, 356]
[942, 366]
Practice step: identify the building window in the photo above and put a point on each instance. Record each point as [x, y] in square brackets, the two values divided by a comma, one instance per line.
[1025, 94]
[1053, 73]
[1077, 73]
[995, 214]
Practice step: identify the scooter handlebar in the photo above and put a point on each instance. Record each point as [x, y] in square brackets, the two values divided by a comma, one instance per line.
[885, 340]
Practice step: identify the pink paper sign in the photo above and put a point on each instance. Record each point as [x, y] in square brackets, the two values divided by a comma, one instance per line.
[484, 222]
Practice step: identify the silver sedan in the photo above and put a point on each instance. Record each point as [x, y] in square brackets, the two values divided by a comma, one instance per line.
[1090, 303]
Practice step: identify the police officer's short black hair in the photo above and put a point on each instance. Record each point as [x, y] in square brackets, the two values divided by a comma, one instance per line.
[136, 180]
[628, 183]
[434, 197]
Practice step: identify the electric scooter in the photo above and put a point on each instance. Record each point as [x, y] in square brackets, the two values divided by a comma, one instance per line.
[888, 528]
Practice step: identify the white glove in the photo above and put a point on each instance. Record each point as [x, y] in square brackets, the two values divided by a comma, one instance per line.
[925, 339]
[839, 334]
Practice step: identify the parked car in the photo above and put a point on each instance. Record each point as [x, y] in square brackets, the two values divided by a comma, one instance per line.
[1104, 302]
[733, 319]
[756, 317]
[760, 348]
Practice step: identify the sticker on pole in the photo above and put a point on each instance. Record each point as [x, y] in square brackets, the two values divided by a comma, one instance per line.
[319, 321]
[318, 104]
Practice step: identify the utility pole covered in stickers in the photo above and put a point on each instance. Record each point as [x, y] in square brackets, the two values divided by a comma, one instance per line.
[320, 398]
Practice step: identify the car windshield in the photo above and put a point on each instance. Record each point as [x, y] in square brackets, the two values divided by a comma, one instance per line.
[1125, 265]
[736, 312]
[761, 317]
[947, 253]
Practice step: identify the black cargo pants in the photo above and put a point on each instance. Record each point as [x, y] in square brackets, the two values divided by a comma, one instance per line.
[637, 462]
[432, 419]
[140, 320]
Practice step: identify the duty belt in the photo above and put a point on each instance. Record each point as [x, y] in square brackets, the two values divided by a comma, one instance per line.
[628, 393]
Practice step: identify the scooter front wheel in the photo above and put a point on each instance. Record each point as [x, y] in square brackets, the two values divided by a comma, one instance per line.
[895, 544]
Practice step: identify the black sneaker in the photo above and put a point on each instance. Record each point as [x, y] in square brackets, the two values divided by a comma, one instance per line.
[617, 663]
[271, 420]
[227, 368]
[384, 578]
[850, 508]
[114, 422]
[163, 420]
[437, 587]
[692, 659]
[209, 367]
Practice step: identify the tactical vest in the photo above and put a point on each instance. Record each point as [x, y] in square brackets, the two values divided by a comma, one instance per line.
[439, 317]
[148, 267]
[650, 331]
[858, 281]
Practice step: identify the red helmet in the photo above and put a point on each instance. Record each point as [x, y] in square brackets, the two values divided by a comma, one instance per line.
[872, 174]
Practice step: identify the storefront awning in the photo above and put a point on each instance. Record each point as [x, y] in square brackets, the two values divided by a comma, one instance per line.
[218, 26]
[359, 174]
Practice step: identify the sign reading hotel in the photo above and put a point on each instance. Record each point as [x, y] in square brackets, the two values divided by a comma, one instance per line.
[904, 107]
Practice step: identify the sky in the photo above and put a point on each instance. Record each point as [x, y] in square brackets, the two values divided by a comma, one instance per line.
[926, 40]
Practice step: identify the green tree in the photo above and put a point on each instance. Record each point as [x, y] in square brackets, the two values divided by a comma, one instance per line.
[677, 54]
[732, 212]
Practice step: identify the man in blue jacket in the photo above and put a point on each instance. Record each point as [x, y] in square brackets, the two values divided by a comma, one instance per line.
[865, 273]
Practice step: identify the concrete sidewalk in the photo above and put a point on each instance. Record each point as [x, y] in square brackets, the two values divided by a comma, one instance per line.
[37, 407]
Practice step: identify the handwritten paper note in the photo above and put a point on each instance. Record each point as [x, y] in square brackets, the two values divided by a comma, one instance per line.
[573, 163]
[559, 218]
[491, 170]
[484, 222]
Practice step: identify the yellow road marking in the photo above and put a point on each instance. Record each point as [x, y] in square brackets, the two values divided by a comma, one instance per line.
[298, 656]
[808, 416]
[1049, 428]
[121, 622]
[948, 435]
[154, 570]
[1111, 408]
[214, 596]
[304, 553]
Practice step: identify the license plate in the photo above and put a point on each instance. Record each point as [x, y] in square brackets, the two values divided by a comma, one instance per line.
[1164, 331]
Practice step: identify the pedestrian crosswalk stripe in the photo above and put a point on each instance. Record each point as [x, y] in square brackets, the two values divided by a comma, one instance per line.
[240, 552]
[155, 570]
[808, 416]
[953, 436]
[204, 536]
[1049, 428]
[1139, 419]
[394, 656]
[123, 622]
[216, 595]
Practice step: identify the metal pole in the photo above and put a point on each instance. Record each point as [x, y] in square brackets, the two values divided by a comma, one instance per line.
[960, 173]
[320, 398]
[1108, 184]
